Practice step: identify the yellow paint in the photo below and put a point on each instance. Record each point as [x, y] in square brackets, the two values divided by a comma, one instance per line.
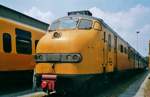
[13, 61]
[90, 44]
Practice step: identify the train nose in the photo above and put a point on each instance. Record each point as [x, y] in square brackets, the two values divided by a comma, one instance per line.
[62, 42]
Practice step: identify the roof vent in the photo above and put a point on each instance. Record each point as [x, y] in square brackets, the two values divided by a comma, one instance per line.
[84, 12]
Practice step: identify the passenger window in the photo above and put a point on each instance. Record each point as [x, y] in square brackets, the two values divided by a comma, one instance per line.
[23, 42]
[97, 26]
[109, 42]
[121, 48]
[129, 52]
[7, 46]
[85, 24]
[125, 50]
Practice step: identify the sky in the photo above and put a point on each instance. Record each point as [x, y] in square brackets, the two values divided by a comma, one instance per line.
[126, 17]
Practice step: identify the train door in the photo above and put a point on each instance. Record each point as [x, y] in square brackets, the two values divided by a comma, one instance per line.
[100, 55]
[110, 53]
[105, 53]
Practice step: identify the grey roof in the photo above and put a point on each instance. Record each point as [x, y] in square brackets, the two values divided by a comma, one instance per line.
[8, 13]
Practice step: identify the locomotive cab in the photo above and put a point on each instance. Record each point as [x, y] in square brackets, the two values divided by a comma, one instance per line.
[68, 38]
[69, 52]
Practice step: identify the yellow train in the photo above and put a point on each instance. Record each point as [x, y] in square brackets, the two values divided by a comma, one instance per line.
[19, 35]
[78, 48]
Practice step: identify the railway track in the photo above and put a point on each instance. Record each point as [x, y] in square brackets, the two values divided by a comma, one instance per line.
[123, 88]
[14, 87]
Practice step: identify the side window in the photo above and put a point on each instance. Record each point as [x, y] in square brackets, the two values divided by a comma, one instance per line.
[7, 46]
[135, 56]
[121, 48]
[23, 42]
[125, 50]
[115, 44]
[129, 53]
[132, 55]
[104, 36]
[109, 42]
[36, 42]
[149, 47]
[97, 26]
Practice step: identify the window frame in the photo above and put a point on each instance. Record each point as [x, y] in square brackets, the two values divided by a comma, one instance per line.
[121, 48]
[85, 28]
[100, 27]
[125, 50]
[104, 36]
[109, 42]
[25, 41]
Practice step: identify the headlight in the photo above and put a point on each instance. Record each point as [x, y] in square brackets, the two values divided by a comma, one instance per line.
[70, 58]
[58, 58]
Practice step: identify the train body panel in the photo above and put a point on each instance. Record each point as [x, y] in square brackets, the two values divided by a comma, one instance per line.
[66, 41]
[8, 63]
[16, 49]
[123, 62]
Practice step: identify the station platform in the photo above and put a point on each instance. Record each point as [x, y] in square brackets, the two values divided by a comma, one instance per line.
[35, 94]
[144, 90]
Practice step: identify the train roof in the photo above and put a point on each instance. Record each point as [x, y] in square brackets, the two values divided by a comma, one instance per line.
[11, 14]
[106, 26]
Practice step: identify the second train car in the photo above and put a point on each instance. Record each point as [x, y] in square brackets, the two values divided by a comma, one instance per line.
[19, 35]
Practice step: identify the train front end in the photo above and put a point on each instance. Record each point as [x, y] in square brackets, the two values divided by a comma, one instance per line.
[64, 54]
